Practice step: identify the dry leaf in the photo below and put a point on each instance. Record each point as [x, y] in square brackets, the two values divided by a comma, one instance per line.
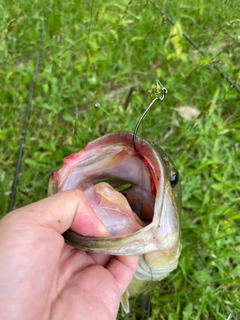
[187, 112]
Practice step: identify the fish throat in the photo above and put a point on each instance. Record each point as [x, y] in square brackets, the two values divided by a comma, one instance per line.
[107, 173]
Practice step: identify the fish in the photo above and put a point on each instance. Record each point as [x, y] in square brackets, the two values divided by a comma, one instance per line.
[135, 190]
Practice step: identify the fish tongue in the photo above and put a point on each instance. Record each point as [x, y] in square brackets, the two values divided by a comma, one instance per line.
[112, 209]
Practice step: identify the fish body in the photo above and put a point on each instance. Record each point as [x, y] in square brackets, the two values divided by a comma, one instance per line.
[148, 224]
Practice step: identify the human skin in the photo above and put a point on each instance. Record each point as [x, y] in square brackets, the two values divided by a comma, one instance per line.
[41, 277]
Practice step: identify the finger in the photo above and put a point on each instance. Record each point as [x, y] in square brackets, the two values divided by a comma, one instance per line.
[64, 210]
[99, 258]
[123, 270]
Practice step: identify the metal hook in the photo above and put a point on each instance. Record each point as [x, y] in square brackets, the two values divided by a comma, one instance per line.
[164, 92]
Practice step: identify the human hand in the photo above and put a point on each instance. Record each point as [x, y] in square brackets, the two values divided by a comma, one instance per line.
[41, 277]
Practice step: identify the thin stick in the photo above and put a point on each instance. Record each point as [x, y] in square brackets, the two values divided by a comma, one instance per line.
[193, 43]
[24, 131]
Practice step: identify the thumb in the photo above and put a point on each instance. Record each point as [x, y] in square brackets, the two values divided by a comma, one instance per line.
[64, 210]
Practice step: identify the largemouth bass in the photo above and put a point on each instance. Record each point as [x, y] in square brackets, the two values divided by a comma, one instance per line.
[136, 195]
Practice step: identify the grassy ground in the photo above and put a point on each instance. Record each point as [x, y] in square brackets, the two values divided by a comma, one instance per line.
[94, 52]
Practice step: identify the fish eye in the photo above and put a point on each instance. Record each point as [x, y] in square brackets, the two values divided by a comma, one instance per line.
[174, 179]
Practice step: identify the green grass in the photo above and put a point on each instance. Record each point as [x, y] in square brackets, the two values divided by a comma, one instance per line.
[94, 52]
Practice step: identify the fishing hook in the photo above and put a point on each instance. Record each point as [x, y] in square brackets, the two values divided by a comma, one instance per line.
[164, 92]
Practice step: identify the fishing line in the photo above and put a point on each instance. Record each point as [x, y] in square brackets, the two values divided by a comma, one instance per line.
[25, 127]
[193, 43]
[164, 92]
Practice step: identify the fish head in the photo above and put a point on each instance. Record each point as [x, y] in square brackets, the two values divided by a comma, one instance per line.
[144, 184]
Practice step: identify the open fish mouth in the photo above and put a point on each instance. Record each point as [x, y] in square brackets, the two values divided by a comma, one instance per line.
[136, 195]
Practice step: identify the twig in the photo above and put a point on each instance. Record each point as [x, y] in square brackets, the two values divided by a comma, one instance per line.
[193, 43]
[24, 131]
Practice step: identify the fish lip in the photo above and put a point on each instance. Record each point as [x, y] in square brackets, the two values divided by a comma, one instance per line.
[115, 245]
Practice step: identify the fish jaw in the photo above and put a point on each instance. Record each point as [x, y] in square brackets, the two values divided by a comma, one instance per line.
[148, 172]
[157, 264]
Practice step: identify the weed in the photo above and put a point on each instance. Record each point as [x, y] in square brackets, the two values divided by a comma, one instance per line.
[93, 54]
